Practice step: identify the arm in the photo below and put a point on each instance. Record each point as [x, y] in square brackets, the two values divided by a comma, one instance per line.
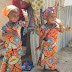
[61, 27]
[40, 42]
[26, 18]
[41, 34]
[6, 34]
[10, 33]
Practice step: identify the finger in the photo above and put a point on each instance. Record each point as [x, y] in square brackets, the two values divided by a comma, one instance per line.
[36, 49]
[55, 20]
[25, 10]
[22, 9]
[25, 13]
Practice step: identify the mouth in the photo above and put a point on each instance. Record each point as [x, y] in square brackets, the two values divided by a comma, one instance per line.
[15, 20]
[52, 20]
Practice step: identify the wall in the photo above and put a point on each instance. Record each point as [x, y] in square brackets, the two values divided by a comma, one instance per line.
[3, 19]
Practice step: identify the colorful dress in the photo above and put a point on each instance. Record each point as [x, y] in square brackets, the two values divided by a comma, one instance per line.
[12, 57]
[47, 57]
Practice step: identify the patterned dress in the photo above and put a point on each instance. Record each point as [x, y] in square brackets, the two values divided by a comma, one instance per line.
[47, 57]
[12, 57]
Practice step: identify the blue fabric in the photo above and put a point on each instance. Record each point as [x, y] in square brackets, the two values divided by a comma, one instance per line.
[27, 65]
[44, 39]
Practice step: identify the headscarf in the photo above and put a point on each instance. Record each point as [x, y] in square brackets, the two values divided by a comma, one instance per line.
[8, 9]
[47, 12]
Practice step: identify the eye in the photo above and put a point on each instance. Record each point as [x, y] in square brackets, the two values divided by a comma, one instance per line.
[51, 16]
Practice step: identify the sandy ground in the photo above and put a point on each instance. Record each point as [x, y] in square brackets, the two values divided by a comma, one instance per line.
[64, 61]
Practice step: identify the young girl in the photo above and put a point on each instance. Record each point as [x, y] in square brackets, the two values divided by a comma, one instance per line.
[12, 32]
[48, 39]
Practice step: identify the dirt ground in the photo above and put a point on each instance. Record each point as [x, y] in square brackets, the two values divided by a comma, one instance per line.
[64, 61]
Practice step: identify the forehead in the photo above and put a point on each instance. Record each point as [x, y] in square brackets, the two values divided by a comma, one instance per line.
[52, 14]
[13, 13]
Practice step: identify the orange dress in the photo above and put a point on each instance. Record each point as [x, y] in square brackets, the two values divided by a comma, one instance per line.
[47, 57]
[12, 57]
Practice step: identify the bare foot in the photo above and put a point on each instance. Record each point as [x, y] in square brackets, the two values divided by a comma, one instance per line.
[51, 70]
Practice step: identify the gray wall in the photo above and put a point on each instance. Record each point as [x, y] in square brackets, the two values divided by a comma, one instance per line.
[65, 16]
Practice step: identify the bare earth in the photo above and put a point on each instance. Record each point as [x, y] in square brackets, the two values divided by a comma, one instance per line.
[64, 61]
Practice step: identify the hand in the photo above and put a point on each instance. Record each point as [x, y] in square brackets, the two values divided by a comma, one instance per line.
[58, 22]
[38, 48]
[14, 33]
[2, 43]
[25, 13]
[67, 28]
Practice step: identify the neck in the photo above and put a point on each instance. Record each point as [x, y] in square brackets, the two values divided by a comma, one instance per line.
[10, 22]
[49, 24]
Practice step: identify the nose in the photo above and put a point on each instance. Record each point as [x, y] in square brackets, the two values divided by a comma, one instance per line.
[17, 18]
[54, 18]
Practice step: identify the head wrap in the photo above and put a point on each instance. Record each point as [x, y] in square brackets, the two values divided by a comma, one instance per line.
[47, 12]
[8, 9]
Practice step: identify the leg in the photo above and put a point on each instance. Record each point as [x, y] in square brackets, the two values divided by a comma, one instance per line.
[3, 68]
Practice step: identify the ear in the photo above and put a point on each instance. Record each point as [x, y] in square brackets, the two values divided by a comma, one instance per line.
[8, 16]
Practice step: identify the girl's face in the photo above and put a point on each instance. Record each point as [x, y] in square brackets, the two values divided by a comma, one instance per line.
[13, 16]
[51, 18]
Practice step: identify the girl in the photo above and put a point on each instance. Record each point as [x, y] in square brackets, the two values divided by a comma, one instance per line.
[12, 32]
[49, 35]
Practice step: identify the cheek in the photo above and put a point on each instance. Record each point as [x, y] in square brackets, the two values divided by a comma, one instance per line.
[18, 17]
[11, 18]
[50, 19]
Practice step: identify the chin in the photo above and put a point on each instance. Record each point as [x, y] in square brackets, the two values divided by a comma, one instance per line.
[14, 21]
[52, 22]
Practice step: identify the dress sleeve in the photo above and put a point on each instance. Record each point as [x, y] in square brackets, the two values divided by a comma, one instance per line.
[3, 29]
[42, 31]
[58, 28]
[21, 23]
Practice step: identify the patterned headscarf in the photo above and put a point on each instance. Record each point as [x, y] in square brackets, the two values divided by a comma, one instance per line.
[47, 12]
[9, 8]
